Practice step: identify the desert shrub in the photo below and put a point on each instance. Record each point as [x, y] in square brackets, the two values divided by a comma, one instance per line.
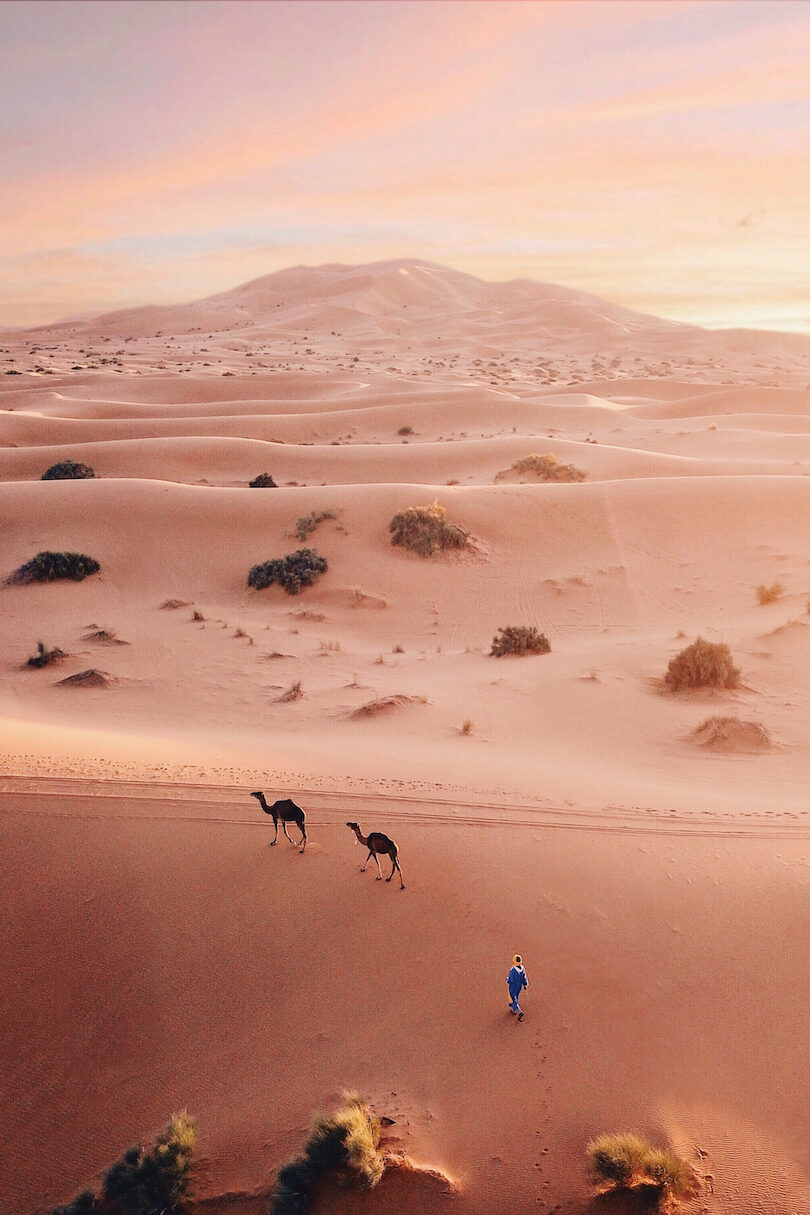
[769, 594]
[48, 567]
[306, 525]
[703, 664]
[425, 530]
[44, 656]
[405, 430]
[625, 1161]
[68, 470]
[347, 1140]
[143, 1182]
[292, 573]
[263, 481]
[546, 468]
[519, 639]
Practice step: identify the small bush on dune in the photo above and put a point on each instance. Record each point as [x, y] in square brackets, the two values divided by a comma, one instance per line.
[625, 1161]
[145, 1182]
[769, 594]
[49, 567]
[292, 573]
[306, 525]
[263, 481]
[347, 1140]
[519, 639]
[68, 470]
[546, 468]
[703, 664]
[44, 656]
[425, 530]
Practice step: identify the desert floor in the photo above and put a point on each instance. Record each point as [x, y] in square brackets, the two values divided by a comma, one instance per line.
[158, 954]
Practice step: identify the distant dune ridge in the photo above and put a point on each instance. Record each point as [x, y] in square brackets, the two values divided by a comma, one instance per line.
[645, 852]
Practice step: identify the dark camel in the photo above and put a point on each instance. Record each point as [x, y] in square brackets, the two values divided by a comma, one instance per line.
[288, 812]
[378, 845]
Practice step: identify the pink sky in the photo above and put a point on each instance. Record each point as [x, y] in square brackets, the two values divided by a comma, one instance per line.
[655, 153]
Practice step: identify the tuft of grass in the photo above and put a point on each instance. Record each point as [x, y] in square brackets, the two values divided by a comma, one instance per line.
[519, 639]
[68, 470]
[145, 1182]
[294, 692]
[466, 726]
[307, 524]
[624, 1161]
[292, 573]
[50, 567]
[769, 594]
[44, 657]
[425, 530]
[703, 664]
[197, 615]
[263, 481]
[546, 468]
[346, 1141]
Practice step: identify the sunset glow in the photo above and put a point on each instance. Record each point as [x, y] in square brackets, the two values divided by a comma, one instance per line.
[652, 153]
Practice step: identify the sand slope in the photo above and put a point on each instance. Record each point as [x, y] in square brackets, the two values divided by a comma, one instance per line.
[159, 954]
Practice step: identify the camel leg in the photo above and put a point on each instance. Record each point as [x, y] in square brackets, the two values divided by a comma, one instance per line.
[303, 835]
[379, 870]
[275, 837]
[366, 861]
[395, 865]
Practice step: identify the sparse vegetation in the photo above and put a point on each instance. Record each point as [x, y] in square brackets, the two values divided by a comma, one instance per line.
[466, 726]
[519, 639]
[68, 470]
[294, 692]
[346, 1141]
[624, 1161]
[292, 573]
[264, 480]
[405, 430]
[703, 664]
[306, 525]
[769, 594]
[49, 567]
[425, 530]
[44, 657]
[546, 468]
[142, 1182]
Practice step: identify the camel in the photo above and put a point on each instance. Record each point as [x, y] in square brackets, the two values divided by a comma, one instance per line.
[288, 812]
[378, 845]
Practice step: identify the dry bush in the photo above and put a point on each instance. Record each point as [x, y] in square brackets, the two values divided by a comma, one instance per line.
[91, 678]
[49, 567]
[145, 1182]
[173, 604]
[292, 573]
[732, 734]
[383, 704]
[44, 657]
[347, 1140]
[405, 430]
[546, 468]
[769, 594]
[263, 481]
[466, 726]
[425, 530]
[68, 470]
[293, 692]
[306, 525]
[519, 639]
[624, 1161]
[703, 664]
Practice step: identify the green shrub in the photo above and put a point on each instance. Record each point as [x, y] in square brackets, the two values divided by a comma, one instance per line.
[346, 1140]
[769, 594]
[292, 573]
[546, 468]
[307, 523]
[44, 656]
[425, 530]
[68, 470]
[145, 1182]
[519, 639]
[625, 1162]
[263, 481]
[703, 664]
[48, 567]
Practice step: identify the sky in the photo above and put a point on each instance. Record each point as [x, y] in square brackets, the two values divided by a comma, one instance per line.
[654, 152]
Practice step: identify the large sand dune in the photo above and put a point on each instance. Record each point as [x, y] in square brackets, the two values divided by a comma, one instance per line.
[652, 870]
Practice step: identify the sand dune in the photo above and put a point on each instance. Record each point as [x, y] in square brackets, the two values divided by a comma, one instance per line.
[651, 867]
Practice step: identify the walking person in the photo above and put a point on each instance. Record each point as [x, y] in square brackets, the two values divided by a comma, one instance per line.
[517, 981]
